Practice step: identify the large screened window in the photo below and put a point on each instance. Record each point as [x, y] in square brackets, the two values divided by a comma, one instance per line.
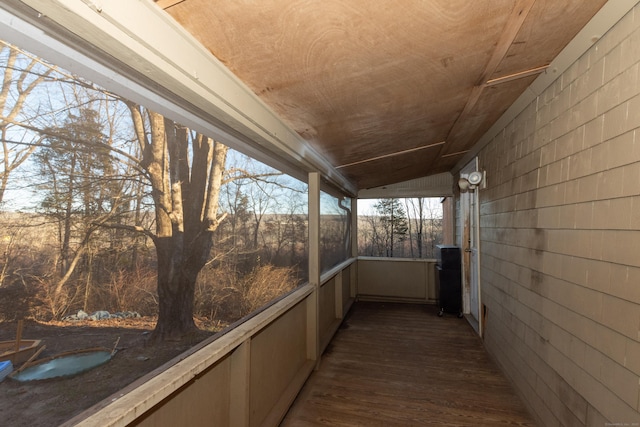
[93, 183]
[401, 228]
[114, 217]
[335, 230]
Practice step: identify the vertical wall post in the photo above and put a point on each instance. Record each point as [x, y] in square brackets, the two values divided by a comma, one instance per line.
[353, 292]
[239, 412]
[339, 304]
[448, 221]
[313, 309]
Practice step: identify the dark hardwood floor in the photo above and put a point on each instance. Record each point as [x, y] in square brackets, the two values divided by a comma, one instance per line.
[402, 365]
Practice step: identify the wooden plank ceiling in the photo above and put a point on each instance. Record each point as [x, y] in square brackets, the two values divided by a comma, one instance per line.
[387, 91]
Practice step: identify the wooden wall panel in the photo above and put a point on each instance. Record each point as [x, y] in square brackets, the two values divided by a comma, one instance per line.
[327, 308]
[202, 402]
[278, 353]
[393, 278]
[347, 300]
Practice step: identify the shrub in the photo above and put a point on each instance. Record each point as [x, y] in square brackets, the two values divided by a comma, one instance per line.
[224, 294]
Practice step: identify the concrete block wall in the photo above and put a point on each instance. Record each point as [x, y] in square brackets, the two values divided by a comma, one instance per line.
[560, 240]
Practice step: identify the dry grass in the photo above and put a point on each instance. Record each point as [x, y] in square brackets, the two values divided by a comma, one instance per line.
[224, 294]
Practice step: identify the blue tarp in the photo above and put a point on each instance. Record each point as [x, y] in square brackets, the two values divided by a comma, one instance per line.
[5, 369]
[65, 366]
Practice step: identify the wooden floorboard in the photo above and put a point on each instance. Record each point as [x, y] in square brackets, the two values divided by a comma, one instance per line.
[402, 365]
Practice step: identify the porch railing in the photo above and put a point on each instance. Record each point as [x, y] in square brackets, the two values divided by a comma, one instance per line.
[250, 375]
[397, 279]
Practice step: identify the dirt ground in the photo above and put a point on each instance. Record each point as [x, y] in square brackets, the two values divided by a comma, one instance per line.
[52, 402]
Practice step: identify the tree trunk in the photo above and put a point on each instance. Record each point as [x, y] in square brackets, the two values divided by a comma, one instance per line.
[176, 290]
[186, 201]
[65, 250]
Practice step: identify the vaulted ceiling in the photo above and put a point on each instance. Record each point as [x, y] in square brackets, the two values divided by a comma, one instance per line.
[386, 91]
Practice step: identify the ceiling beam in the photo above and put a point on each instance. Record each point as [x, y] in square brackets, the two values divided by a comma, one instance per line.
[606, 18]
[515, 76]
[517, 17]
[384, 156]
[166, 4]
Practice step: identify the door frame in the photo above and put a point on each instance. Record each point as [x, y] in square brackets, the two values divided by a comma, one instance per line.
[470, 209]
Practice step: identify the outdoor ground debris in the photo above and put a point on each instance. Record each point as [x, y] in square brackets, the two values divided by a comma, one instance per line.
[52, 402]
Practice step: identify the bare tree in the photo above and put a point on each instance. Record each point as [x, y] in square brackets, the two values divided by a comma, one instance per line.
[419, 231]
[415, 211]
[393, 220]
[185, 170]
[169, 172]
[80, 191]
[434, 222]
[288, 233]
[22, 75]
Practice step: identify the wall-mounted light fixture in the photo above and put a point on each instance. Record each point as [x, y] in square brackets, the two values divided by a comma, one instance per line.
[471, 181]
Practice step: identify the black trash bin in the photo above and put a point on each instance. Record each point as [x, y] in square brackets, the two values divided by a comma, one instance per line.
[449, 278]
